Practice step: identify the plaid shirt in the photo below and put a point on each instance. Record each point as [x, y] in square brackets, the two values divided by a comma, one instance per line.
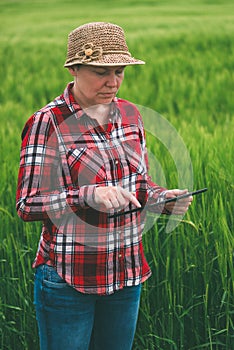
[65, 154]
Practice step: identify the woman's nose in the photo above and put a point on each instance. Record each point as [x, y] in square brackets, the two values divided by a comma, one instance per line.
[111, 80]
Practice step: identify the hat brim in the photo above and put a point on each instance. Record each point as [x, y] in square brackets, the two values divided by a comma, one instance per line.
[107, 60]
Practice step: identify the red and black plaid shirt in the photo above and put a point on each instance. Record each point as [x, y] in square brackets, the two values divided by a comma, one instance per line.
[65, 154]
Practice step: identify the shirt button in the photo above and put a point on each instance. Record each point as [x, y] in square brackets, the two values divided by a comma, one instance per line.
[120, 255]
[116, 162]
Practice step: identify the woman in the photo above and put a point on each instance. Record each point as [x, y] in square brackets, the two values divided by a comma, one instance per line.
[84, 159]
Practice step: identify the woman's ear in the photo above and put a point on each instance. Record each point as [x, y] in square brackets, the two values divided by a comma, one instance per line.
[72, 71]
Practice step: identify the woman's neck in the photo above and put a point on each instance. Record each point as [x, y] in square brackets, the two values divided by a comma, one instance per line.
[99, 112]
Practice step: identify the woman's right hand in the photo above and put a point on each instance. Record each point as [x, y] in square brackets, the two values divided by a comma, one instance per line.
[114, 197]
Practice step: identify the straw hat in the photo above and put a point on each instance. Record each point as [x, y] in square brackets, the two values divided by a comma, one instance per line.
[99, 44]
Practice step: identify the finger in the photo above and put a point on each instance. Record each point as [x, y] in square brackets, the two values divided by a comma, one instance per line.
[176, 192]
[119, 200]
[183, 201]
[180, 211]
[115, 203]
[178, 208]
[131, 197]
[115, 198]
[108, 204]
[135, 201]
[122, 200]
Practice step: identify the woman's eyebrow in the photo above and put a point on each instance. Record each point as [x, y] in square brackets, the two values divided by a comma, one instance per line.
[101, 68]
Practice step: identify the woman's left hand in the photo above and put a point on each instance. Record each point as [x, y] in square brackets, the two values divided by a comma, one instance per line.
[178, 207]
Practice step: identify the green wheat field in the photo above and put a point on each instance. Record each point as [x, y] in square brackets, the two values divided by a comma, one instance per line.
[188, 78]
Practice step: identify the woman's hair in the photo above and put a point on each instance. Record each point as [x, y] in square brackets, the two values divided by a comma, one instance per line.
[76, 66]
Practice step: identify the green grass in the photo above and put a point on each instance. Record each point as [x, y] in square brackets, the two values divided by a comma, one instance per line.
[188, 78]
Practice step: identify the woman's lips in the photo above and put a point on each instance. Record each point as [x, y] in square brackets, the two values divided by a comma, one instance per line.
[107, 94]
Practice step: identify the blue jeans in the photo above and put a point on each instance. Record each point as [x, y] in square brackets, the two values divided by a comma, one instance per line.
[68, 319]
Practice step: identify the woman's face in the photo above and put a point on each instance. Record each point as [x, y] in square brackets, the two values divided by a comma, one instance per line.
[95, 84]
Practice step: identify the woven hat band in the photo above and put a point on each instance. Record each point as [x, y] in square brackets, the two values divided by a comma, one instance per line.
[98, 43]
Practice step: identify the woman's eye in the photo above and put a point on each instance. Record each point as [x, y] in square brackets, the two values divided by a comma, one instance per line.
[100, 73]
[119, 72]
[105, 73]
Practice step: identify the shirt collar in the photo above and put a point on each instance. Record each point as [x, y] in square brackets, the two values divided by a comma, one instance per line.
[76, 108]
[71, 102]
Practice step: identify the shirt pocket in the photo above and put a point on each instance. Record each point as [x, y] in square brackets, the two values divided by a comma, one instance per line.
[134, 155]
[86, 165]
